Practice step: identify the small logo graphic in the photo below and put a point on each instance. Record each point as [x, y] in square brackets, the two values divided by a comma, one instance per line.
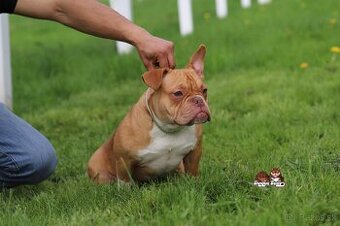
[262, 179]
[275, 178]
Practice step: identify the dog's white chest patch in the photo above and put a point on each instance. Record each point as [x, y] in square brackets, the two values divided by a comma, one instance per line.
[166, 151]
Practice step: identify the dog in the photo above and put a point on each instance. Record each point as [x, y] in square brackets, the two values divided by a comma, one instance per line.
[162, 133]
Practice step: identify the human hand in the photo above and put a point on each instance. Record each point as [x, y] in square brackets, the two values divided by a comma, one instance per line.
[155, 52]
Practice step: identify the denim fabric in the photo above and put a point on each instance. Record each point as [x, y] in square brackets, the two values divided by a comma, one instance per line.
[26, 156]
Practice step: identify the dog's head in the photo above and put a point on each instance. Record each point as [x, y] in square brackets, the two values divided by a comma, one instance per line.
[180, 96]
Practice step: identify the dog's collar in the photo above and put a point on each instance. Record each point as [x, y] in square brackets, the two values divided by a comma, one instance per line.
[164, 127]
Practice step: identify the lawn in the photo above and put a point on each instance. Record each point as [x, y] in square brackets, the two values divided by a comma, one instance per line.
[274, 92]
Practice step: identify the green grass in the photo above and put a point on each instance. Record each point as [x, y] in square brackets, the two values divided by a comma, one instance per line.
[267, 112]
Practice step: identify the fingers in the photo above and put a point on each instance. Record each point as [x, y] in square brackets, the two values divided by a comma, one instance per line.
[156, 62]
[151, 63]
[170, 57]
[163, 62]
[171, 61]
[156, 53]
[148, 64]
[164, 55]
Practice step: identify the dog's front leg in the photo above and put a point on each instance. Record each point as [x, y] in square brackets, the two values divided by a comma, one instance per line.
[192, 159]
[123, 170]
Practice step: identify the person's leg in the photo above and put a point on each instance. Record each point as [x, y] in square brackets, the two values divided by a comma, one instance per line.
[26, 156]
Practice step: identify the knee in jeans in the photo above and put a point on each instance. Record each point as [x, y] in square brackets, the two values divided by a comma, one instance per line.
[41, 163]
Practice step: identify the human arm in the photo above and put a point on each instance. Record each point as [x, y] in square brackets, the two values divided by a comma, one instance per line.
[94, 18]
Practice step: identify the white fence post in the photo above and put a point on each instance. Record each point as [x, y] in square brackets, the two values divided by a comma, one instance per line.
[245, 3]
[123, 7]
[5, 63]
[221, 8]
[262, 2]
[185, 17]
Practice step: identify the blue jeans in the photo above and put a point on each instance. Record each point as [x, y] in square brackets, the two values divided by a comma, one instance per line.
[26, 156]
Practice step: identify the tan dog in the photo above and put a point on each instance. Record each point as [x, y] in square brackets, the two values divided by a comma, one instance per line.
[163, 130]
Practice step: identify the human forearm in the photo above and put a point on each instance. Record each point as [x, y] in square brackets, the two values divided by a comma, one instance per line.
[95, 18]
[88, 16]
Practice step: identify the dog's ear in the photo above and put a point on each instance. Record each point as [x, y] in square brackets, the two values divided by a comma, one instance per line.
[197, 61]
[154, 77]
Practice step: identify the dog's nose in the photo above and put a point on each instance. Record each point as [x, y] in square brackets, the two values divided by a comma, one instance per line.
[198, 101]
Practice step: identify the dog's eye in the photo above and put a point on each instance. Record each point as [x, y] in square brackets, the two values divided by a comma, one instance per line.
[178, 94]
[205, 91]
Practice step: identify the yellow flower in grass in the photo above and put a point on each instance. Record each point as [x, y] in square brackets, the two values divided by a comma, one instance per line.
[206, 16]
[304, 65]
[332, 21]
[335, 49]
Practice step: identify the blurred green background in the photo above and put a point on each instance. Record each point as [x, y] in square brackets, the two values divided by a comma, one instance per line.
[274, 88]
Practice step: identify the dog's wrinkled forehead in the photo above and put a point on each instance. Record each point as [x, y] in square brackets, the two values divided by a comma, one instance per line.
[185, 79]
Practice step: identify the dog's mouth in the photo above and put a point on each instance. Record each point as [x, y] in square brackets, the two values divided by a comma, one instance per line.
[200, 118]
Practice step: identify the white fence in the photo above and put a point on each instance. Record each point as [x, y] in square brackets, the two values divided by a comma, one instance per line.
[5, 64]
[124, 7]
[186, 25]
